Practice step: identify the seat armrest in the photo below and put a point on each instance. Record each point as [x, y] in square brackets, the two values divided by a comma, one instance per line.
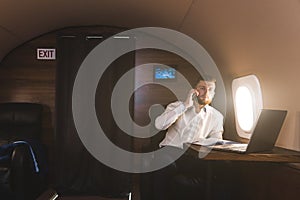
[25, 181]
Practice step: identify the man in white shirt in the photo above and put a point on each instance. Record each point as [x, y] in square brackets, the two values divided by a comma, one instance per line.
[192, 120]
[186, 122]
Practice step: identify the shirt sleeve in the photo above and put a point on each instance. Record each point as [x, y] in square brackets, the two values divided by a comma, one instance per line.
[170, 115]
[217, 131]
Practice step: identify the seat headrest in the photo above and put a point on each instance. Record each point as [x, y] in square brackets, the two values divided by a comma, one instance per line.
[20, 119]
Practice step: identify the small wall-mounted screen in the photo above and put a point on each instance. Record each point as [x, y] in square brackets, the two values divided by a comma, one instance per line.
[164, 73]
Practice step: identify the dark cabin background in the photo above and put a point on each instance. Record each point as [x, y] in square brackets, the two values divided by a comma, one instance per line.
[23, 78]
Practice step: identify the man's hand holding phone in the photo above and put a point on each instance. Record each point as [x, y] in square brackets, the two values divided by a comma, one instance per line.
[191, 98]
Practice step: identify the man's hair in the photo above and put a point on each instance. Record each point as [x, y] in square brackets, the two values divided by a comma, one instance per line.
[207, 78]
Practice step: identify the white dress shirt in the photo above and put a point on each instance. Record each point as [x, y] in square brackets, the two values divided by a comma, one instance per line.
[187, 126]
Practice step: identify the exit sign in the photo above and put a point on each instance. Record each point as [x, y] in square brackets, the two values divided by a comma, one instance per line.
[45, 54]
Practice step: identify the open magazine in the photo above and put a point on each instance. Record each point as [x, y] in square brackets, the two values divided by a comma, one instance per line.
[213, 141]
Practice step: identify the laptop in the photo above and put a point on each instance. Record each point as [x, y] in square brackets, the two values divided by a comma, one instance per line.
[263, 137]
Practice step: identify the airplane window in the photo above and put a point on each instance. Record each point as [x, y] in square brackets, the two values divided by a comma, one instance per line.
[247, 99]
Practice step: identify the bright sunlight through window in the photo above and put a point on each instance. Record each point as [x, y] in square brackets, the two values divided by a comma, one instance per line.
[244, 107]
[247, 100]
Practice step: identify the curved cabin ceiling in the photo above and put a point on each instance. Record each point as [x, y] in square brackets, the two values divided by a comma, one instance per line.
[228, 27]
[23, 20]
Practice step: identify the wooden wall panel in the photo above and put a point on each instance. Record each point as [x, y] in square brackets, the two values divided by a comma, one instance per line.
[23, 78]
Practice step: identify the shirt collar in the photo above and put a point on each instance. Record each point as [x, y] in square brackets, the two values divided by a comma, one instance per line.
[205, 108]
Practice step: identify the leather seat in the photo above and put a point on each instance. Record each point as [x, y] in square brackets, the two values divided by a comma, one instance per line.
[23, 165]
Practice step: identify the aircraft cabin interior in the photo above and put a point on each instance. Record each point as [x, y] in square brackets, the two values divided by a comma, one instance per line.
[83, 85]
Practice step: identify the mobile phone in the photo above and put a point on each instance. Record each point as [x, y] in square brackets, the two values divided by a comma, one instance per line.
[195, 97]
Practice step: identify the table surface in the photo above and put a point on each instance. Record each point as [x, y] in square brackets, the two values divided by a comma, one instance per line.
[277, 155]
